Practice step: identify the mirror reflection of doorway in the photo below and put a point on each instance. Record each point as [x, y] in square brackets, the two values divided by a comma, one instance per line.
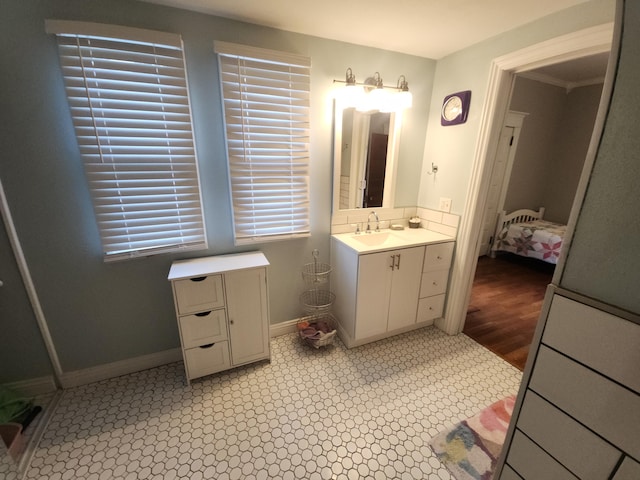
[376, 168]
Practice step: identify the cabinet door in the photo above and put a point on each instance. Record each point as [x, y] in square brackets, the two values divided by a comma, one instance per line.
[374, 288]
[248, 312]
[405, 287]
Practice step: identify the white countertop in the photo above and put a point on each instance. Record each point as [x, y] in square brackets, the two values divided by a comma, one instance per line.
[390, 239]
[197, 267]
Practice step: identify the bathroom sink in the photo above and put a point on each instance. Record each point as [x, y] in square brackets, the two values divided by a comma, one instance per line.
[389, 239]
[375, 239]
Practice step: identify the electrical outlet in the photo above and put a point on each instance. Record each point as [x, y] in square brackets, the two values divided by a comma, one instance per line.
[445, 204]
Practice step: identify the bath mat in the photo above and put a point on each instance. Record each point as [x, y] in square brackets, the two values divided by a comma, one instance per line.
[471, 448]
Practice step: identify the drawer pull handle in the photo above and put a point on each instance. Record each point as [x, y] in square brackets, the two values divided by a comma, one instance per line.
[197, 279]
[202, 314]
[439, 257]
[231, 322]
[207, 346]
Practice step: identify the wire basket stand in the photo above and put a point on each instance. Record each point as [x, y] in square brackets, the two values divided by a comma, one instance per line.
[317, 327]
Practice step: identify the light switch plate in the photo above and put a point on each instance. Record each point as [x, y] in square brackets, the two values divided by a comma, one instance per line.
[445, 204]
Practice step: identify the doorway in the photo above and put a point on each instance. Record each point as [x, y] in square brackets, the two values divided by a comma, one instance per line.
[578, 44]
[560, 104]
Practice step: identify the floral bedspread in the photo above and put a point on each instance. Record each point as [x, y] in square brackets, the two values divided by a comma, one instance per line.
[537, 239]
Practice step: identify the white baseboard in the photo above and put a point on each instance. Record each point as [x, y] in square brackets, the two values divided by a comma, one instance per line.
[283, 328]
[33, 386]
[131, 365]
[122, 367]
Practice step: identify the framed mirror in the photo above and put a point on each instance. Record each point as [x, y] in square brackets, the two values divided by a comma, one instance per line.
[365, 155]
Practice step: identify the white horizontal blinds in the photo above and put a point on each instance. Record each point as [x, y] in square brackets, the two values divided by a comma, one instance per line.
[130, 108]
[266, 104]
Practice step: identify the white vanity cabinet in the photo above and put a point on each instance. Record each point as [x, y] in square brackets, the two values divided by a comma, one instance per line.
[378, 293]
[222, 310]
[434, 281]
[391, 281]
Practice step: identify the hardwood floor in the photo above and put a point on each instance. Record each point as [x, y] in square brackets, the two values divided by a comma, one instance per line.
[506, 300]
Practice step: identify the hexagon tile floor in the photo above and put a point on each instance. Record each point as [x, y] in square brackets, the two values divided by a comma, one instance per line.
[365, 413]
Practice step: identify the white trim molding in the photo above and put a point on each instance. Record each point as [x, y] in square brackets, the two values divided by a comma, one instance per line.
[121, 367]
[34, 386]
[28, 283]
[284, 328]
[578, 44]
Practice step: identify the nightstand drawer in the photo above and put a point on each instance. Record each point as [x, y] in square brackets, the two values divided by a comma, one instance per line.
[434, 283]
[207, 359]
[430, 308]
[203, 328]
[438, 257]
[199, 294]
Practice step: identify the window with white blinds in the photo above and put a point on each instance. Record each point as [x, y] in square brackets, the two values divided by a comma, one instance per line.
[129, 101]
[266, 106]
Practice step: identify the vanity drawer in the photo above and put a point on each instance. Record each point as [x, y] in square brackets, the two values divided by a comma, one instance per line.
[531, 462]
[577, 448]
[604, 407]
[203, 328]
[207, 359]
[604, 342]
[438, 257]
[629, 470]
[434, 283]
[199, 294]
[430, 308]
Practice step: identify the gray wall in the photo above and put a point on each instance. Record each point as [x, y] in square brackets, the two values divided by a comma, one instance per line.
[604, 261]
[552, 147]
[453, 148]
[22, 351]
[534, 159]
[100, 313]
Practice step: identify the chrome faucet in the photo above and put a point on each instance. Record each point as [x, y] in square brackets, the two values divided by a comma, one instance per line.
[377, 222]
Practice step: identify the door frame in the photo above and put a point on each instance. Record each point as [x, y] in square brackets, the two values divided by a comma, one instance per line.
[514, 121]
[578, 44]
[25, 273]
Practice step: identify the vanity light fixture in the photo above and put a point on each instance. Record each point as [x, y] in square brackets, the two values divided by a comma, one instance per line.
[404, 98]
[373, 94]
[351, 94]
[378, 99]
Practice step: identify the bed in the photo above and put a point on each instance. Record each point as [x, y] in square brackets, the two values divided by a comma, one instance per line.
[525, 233]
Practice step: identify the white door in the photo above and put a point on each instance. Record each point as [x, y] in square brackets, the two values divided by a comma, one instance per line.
[374, 288]
[247, 309]
[500, 175]
[405, 288]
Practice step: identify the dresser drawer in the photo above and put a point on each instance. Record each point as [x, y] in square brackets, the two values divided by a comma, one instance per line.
[203, 328]
[430, 308]
[434, 283]
[207, 359]
[438, 257]
[532, 463]
[604, 342]
[509, 474]
[629, 470]
[593, 400]
[584, 453]
[199, 294]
